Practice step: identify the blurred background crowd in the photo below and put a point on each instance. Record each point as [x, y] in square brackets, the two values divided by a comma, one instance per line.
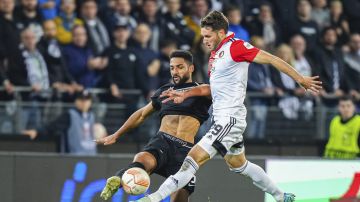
[117, 51]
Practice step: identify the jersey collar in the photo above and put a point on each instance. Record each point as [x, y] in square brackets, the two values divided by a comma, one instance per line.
[229, 36]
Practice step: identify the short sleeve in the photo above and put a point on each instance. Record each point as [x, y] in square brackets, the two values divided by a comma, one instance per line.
[243, 51]
[155, 99]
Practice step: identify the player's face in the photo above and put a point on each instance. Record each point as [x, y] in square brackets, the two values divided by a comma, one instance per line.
[180, 70]
[346, 109]
[211, 38]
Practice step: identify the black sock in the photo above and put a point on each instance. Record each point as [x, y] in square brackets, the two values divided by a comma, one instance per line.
[132, 165]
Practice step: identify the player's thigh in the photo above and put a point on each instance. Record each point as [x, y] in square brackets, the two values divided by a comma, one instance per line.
[181, 195]
[147, 159]
[235, 161]
[199, 155]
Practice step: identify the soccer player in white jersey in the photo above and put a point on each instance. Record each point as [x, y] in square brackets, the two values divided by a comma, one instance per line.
[228, 71]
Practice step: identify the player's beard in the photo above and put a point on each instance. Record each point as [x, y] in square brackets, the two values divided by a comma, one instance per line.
[182, 80]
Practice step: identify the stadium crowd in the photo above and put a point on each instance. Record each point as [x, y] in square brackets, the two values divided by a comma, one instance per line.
[66, 46]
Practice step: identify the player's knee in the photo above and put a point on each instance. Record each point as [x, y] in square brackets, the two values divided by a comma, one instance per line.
[147, 160]
[235, 161]
[132, 165]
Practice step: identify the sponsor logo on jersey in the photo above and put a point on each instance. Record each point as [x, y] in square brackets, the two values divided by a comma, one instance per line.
[248, 46]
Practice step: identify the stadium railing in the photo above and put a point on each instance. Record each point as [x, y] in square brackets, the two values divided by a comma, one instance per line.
[278, 128]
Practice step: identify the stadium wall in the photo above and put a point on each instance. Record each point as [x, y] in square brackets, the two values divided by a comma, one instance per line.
[41, 177]
[52, 177]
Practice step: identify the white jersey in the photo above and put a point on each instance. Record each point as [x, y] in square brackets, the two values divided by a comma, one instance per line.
[228, 72]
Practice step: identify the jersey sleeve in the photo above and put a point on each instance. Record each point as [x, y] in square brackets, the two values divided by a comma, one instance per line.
[155, 99]
[243, 51]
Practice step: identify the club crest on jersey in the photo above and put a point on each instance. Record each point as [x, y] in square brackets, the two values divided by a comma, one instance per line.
[221, 54]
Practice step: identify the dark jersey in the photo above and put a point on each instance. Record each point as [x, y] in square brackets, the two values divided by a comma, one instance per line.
[196, 107]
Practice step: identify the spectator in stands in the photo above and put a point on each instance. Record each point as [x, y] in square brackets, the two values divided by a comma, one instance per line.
[344, 129]
[303, 63]
[201, 62]
[199, 8]
[66, 21]
[175, 27]
[75, 128]
[339, 21]
[166, 48]
[259, 81]
[320, 13]
[304, 25]
[266, 27]
[60, 78]
[97, 33]
[294, 102]
[331, 66]
[9, 33]
[49, 8]
[149, 15]
[234, 16]
[27, 15]
[28, 66]
[80, 60]
[149, 57]
[352, 8]
[125, 69]
[29, 69]
[352, 69]
[120, 14]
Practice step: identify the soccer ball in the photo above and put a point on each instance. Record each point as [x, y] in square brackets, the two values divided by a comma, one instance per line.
[135, 181]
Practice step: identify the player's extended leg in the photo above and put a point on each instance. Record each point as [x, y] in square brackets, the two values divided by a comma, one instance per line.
[143, 160]
[196, 157]
[239, 164]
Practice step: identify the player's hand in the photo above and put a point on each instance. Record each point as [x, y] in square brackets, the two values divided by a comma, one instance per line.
[171, 94]
[108, 140]
[311, 84]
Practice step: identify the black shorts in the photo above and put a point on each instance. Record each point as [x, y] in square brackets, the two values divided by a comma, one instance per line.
[170, 153]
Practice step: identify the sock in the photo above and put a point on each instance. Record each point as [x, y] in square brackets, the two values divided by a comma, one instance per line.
[176, 181]
[260, 179]
[131, 165]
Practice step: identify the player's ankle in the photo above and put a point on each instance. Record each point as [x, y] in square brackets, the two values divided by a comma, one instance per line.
[279, 197]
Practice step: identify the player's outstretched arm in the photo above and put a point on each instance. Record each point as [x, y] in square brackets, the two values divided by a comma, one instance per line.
[309, 83]
[132, 122]
[180, 96]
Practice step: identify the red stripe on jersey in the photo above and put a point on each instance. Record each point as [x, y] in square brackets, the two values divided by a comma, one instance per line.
[211, 60]
[243, 51]
[231, 36]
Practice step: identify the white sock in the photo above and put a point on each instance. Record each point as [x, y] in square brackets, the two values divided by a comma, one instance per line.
[177, 181]
[260, 179]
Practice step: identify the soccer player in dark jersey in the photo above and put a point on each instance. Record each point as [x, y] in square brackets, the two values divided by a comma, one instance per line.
[166, 151]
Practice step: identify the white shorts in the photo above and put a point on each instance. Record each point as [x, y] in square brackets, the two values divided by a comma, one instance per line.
[224, 137]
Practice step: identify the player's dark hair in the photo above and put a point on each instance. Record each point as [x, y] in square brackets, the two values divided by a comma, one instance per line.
[186, 55]
[216, 20]
[346, 98]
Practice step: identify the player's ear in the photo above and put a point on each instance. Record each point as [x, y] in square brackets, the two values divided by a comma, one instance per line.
[191, 68]
[220, 33]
